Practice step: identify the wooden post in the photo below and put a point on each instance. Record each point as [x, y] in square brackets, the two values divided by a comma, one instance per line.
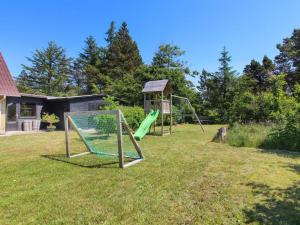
[162, 113]
[171, 113]
[192, 109]
[66, 121]
[136, 145]
[120, 141]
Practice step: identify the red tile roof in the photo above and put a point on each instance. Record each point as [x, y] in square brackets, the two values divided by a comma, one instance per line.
[7, 84]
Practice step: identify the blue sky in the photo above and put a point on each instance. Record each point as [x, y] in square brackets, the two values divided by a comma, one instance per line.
[249, 28]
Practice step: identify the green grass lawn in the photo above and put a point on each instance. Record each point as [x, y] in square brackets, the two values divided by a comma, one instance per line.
[185, 179]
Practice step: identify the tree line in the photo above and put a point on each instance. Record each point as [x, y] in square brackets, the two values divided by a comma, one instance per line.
[266, 91]
[116, 69]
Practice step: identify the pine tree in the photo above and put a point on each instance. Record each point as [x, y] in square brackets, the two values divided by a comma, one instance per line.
[25, 84]
[260, 73]
[110, 34]
[288, 60]
[227, 76]
[168, 56]
[88, 67]
[49, 70]
[216, 90]
[123, 55]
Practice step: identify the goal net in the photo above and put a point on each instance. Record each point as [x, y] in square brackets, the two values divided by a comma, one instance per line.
[104, 133]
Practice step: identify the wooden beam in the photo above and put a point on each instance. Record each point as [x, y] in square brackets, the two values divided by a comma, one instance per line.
[120, 141]
[162, 114]
[171, 113]
[136, 145]
[79, 154]
[79, 134]
[192, 109]
[132, 163]
[97, 112]
[66, 121]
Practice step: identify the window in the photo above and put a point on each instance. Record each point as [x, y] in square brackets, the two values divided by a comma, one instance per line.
[28, 110]
[11, 112]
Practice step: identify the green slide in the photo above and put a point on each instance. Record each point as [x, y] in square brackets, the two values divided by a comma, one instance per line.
[145, 125]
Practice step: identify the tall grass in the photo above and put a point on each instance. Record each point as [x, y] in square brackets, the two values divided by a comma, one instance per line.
[283, 137]
[252, 135]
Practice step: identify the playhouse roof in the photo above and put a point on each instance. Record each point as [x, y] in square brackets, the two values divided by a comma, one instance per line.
[7, 84]
[155, 86]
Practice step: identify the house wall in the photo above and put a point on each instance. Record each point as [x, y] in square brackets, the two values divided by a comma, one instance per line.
[40, 103]
[85, 104]
[2, 113]
[58, 108]
[13, 126]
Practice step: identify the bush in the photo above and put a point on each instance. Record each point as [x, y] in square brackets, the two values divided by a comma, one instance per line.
[105, 124]
[285, 137]
[50, 119]
[134, 115]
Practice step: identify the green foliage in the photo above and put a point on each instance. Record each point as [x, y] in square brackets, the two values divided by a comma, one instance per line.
[282, 137]
[116, 69]
[285, 136]
[244, 108]
[177, 115]
[126, 88]
[48, 72]
[110, 103]
[217, 90]
[273, 105]
[134, 115]
[288, 60]
[259, 73]
[167, 56]
[50, 119]
[252, 135]
[122, 54]
[106, 124]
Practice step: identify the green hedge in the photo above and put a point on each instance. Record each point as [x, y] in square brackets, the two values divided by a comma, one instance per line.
[134, 115]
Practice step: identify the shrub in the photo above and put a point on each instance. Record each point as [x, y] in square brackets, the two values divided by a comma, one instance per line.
[134, 115]
[51, 119]
[177, 115]
[244, 108]
[105, 124]
[285, 137]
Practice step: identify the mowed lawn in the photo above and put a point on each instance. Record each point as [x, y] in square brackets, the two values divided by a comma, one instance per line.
[185, 179]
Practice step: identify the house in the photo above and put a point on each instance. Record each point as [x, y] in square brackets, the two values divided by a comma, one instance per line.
[16, 107]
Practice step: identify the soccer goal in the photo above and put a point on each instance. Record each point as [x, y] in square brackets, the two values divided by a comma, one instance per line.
[104, 133]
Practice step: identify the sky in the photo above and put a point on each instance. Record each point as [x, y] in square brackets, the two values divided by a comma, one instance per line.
[249, 29]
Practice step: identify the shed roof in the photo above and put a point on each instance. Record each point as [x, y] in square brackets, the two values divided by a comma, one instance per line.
[7, 84]
[155, 86]
[54, 98]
